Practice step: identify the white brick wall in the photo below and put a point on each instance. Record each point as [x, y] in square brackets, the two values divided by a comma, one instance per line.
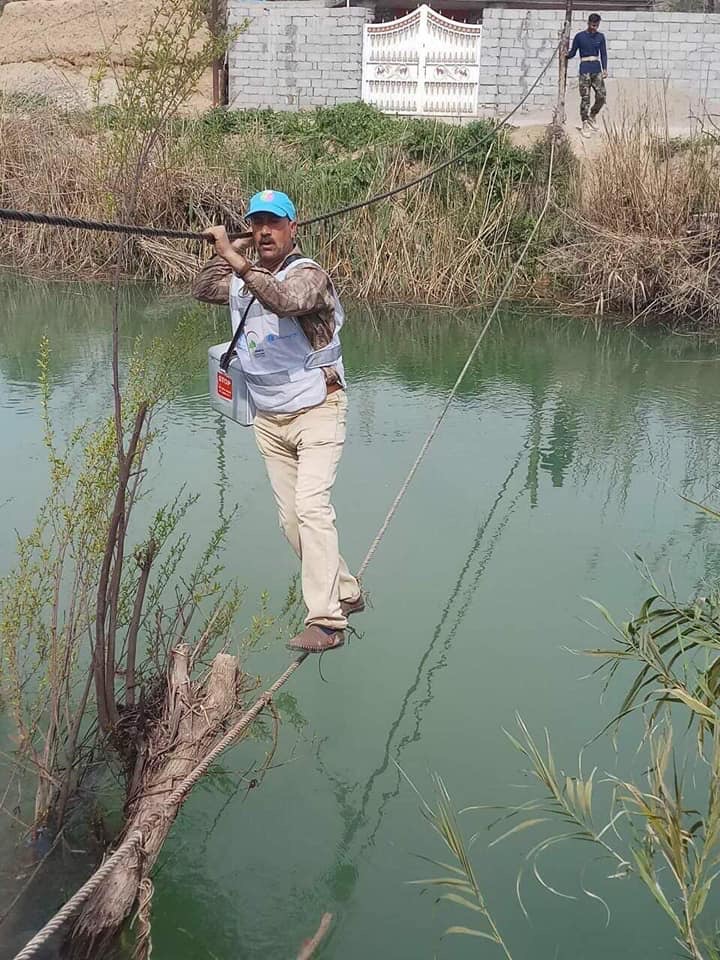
[296, 55]
[678, 47]
[299, 54]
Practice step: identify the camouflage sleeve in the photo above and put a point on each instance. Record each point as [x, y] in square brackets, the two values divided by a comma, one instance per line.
[305, 290]
[212, 284]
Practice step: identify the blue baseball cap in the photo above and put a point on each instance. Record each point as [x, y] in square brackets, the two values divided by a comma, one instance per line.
[272, 201]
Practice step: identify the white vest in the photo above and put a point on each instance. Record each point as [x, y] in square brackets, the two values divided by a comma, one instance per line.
[282, 370]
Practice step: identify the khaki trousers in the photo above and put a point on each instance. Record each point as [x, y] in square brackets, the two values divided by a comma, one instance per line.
[302, 452]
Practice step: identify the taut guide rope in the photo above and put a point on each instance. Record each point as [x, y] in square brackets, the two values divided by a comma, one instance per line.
[135, 837]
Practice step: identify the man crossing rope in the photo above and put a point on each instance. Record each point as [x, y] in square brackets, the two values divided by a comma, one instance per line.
[290, 353]
[80, 897]
[591, 46]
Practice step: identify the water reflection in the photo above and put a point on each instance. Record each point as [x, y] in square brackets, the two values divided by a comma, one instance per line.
[565, 449]
[432, 660]
[557, 456]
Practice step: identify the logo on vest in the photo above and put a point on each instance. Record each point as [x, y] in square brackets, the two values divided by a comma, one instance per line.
[273, 337]
[251, 338]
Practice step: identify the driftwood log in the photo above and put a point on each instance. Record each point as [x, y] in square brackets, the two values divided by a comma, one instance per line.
[310, 946]
[193, 717]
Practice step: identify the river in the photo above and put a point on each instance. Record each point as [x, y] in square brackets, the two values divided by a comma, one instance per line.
[564, 454]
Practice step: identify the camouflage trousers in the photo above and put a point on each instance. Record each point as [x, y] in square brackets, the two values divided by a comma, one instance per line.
[588, 82]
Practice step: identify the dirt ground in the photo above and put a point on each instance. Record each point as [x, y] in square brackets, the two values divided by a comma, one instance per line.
[668, 109]
[52, 48]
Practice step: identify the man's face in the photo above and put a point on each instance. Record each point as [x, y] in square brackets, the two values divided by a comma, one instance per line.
[592, 27]
[273, 236]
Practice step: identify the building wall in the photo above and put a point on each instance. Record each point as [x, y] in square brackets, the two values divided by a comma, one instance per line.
[296, 55]
[666, 59]
[301, 54]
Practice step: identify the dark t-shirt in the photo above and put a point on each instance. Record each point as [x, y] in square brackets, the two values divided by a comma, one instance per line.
[590, 45]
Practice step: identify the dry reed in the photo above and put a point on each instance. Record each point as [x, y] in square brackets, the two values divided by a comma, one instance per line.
[635, 230]
[453, 239]
[640, 227]
[51, 166]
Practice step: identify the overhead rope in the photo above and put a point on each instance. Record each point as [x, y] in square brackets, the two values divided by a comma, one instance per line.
[461, 376]
[135, 837]
[165, 233]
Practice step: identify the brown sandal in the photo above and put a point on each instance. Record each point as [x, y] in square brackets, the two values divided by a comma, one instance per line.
[317, 639]
[349, 607]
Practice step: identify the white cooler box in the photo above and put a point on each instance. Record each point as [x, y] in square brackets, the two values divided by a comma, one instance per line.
[228, 389]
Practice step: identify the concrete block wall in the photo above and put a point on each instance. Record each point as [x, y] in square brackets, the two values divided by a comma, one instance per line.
[296, 55]
[674, 54]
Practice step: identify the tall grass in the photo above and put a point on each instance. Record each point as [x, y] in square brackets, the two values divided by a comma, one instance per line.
[640, 232]
[634, 230]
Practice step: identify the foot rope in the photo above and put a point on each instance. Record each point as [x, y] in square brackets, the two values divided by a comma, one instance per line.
[134, 839]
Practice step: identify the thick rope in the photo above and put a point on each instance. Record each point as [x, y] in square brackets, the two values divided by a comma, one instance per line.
[143, 942]
[451, 396]
[75, 902]
[103, 226]
[135, 837]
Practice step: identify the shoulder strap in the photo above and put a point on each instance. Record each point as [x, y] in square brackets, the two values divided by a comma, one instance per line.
[228, 355]
[293, 258]
[299, 258]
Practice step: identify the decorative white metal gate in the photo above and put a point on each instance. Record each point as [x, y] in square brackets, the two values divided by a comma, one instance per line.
[422, 64]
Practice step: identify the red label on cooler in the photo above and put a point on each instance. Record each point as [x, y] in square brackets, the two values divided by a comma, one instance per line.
[224, 386]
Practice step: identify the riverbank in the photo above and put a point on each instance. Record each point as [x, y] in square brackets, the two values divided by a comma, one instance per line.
[631, 230]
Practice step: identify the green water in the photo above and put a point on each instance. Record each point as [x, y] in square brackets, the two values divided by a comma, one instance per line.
[565, 451]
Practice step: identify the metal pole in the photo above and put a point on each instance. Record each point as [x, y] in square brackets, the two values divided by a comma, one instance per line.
[216, 64]
[559, 118]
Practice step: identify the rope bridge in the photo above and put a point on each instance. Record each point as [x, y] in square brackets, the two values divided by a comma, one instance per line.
[135, 838]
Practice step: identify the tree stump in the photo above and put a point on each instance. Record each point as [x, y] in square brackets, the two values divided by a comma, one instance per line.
[193, 716]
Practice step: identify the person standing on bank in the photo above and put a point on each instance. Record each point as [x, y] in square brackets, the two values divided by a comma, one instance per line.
[590, 44]
[290, 352]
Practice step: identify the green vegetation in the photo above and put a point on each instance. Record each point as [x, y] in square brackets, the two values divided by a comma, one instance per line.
[452, 238]
[324, 133]
[663, 829]
[109, 636]
[632, 231]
